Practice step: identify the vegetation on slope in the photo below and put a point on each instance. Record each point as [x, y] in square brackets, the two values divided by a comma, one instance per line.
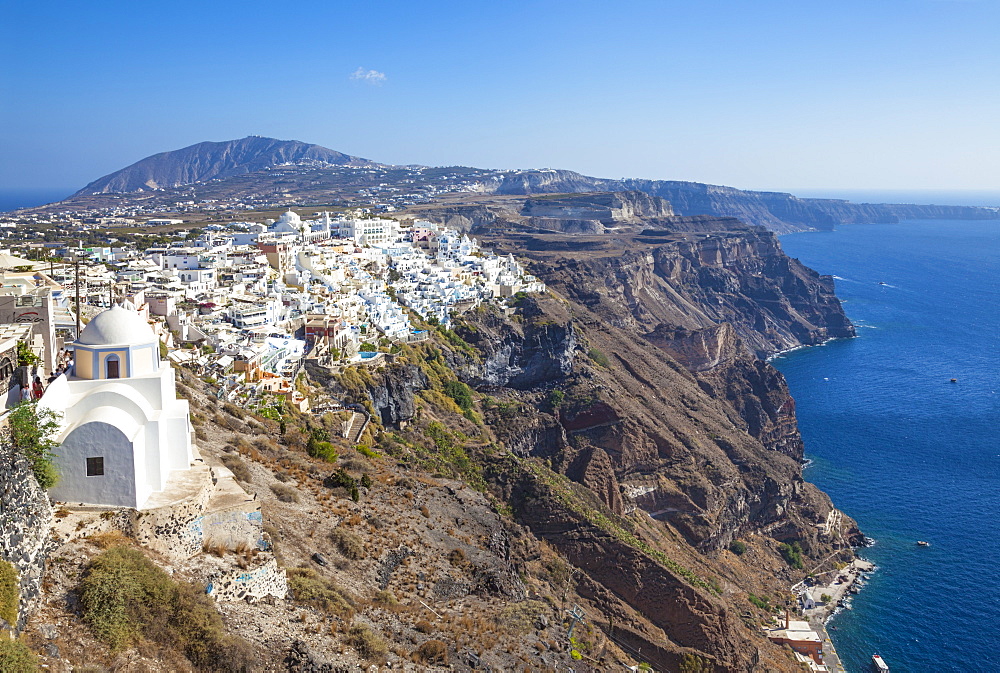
[127, 599]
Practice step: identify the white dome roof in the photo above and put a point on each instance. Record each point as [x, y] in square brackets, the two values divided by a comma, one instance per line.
[117, 326]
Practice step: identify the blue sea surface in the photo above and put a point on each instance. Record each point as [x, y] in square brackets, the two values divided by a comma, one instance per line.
[908, 454]
[11, 199]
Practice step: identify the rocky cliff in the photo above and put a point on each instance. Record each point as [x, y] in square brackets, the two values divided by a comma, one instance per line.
[631, 421]
[777, 211]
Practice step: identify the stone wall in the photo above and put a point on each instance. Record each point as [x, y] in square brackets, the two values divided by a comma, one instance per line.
[183, 529]
[25, 522]
[234, 528]
[250, 584]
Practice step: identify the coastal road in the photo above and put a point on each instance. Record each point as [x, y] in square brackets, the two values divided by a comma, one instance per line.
[830, 657]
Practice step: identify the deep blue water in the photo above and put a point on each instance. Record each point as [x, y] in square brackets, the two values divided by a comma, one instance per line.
[11, 199]
[898, 447]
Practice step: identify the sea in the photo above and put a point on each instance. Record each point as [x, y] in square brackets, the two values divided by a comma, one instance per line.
[901, 448]
[11, 199]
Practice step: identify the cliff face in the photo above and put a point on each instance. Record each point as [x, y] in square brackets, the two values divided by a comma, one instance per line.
[631, 421]
[594, 213]
[694, 282]
[777, 211]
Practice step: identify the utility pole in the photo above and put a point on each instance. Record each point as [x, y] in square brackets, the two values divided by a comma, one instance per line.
[76, 265]
[576, 616]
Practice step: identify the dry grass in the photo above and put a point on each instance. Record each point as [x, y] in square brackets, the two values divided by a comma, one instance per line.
[433, 652]
[284, 493]
[111, 538]
[237, 467]
[349, 544]
[368, 644]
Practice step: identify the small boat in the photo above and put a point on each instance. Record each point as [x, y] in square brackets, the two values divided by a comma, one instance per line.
[954, 380]
[879, 665]
[921, 543]
[882, 282]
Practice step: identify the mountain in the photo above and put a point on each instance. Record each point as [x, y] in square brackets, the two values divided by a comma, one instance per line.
[239, 172]
[214, 160]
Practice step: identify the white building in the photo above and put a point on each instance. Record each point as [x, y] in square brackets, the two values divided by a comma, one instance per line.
[124, 432]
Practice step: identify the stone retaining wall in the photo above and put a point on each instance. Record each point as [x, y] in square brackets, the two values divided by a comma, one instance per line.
[25, 521]
[251, 584]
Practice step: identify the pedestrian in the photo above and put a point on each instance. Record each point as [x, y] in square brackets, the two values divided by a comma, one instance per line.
[37, 389]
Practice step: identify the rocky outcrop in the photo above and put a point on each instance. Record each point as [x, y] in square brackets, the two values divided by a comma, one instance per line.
[689, 617]
[700, 281]
[525, 356]
[640, 383]
[25, 521]
[726, 370]
[605, 207]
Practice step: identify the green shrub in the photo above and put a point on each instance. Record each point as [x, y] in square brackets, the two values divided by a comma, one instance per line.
[759, 602]
[556, 398]
[15, 657]
[341, 478]
[25, 356]
[348, 543]
[368, 644]
[367, 451]
[599, 358]
[10, 594]
[31, 430]
[308, 586]
[826, 598]
[321, 449]
[461, 393]
[738, 547]
[366, 481]
[792, 553]
[121, 593]
[126, 599]
[692, 663]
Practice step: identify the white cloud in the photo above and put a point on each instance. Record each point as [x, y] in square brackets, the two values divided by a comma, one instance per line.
[369, 76]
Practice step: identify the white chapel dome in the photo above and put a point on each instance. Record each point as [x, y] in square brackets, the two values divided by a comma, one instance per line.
[117, 326]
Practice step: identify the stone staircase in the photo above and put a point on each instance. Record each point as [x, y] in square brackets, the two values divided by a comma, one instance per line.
[355, 427]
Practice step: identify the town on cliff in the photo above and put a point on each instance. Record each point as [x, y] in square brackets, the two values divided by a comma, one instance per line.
[361, 436]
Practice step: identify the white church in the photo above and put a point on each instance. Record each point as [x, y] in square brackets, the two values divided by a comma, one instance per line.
[124, 432]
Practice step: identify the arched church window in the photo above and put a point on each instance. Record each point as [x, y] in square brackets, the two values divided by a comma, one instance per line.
[112, 365]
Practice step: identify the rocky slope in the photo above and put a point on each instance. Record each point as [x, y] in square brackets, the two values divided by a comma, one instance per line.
[214, 160]
[630, 422]
[602, 445]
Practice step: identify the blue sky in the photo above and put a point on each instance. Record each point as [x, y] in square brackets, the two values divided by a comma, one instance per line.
[761, 95]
